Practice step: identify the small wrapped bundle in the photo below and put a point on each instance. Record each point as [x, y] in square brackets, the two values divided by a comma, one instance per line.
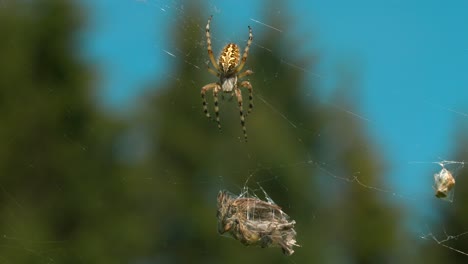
[444, 183]
[255, 222]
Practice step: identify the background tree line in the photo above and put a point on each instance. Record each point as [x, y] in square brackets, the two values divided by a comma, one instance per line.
[69, 195]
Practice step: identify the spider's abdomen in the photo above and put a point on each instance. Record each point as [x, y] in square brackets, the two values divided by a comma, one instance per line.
[229, 58]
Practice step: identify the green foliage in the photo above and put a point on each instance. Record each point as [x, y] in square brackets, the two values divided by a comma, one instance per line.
[60, 191]
[67, 196]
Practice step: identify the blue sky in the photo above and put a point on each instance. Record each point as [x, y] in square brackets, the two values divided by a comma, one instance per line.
[410, 59]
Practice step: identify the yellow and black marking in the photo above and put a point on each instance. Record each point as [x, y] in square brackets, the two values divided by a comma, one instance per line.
[229, 58]
[247, 85]
[241, 112]
[216, 108]
[208, 43]
[205, 107]
[206, 88]
[246, 51]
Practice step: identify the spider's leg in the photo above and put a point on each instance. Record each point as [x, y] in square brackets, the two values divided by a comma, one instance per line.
[203, 91]
[246, 51]
[231, 96]
[210, 70]
[247, 85]
[216, 107]
[208, 42]
[246, 73]
[239, 100]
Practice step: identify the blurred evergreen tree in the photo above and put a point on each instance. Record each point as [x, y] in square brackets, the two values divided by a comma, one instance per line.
[61, 198]
[366, 224]
[65, 197]
[289, 136]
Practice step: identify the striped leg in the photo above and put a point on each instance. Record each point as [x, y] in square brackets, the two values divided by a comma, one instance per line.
[216, 107]
[246, 51]
[212, 71]
[239, 100]
[246, 73]
[203, 92]
[208, 42]
[247, 85]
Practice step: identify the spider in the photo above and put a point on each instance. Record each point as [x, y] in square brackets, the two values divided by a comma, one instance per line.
[228, 70]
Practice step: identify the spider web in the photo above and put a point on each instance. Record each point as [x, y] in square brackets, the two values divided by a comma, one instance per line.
[408, 183]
